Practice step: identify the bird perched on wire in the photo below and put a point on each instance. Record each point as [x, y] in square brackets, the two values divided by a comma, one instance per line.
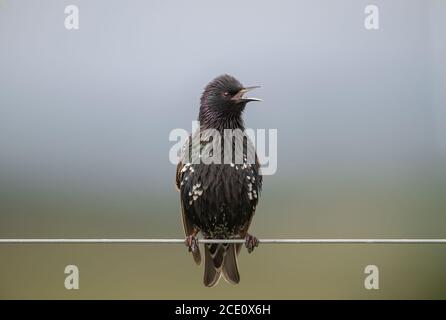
[219, 198]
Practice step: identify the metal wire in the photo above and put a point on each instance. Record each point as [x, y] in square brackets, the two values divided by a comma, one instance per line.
[263, 241]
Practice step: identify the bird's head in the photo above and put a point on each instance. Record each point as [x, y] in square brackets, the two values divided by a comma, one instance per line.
[224, 99]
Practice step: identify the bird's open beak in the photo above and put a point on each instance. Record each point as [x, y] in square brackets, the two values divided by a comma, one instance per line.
[239, 97]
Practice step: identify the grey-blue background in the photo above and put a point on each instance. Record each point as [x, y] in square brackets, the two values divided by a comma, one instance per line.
[85, 117]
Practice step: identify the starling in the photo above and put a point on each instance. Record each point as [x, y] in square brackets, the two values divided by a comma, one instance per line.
[219, 199]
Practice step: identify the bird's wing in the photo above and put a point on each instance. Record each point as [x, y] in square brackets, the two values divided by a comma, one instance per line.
[189, 229]
[259, 182]
[178, 175]
[180, 165]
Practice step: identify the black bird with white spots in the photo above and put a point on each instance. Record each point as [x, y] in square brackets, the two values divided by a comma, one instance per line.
[219, 199]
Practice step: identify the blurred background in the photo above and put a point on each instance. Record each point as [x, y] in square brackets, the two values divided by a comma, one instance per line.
[85, 117]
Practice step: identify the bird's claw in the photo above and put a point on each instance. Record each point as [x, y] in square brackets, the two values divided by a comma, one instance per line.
[192, 243]
[251, 242]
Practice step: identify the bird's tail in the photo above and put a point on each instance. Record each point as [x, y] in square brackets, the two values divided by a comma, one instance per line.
[220, 258]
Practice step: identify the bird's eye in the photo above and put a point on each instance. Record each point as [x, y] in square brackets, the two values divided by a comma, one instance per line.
[226, 94]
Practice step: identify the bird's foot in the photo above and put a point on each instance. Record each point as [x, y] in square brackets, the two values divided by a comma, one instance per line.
[192, 243]
[251, 242]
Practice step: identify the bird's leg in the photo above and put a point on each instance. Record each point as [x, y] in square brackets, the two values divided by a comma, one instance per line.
[251, 242]
[192, 241]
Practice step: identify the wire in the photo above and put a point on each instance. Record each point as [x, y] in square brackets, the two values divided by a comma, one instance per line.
[263, 241]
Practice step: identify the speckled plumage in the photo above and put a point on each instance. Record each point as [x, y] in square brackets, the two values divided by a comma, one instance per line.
[219, 200]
